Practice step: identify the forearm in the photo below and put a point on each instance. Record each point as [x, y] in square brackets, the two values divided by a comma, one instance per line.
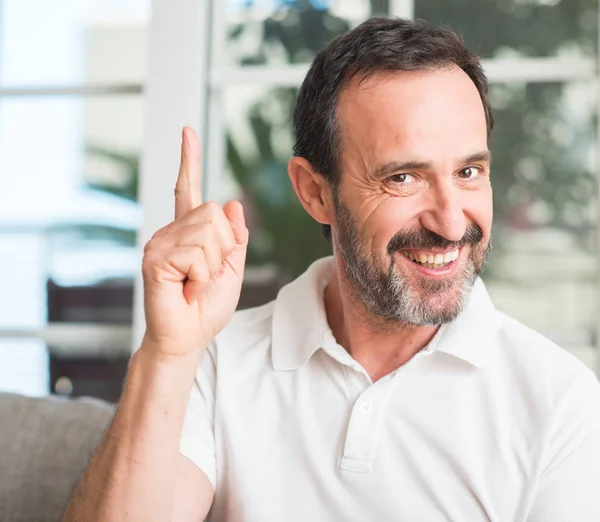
[132, 474]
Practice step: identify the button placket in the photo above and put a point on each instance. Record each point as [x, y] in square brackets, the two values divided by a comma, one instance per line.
[364, 426]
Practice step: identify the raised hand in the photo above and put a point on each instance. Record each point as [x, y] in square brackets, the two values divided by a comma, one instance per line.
[193, 268]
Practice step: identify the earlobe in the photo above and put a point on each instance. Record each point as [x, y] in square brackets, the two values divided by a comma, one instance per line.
[311, 189]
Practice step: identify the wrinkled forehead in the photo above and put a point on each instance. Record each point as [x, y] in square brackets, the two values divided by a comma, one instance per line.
[422, 114]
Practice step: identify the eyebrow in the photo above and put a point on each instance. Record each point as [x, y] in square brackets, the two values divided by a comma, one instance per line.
[397, 166]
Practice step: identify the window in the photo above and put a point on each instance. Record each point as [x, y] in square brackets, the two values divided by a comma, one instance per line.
[71, 124]
[78, 103]
[541, 58]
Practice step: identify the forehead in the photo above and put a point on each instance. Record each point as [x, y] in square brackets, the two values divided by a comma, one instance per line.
[419, 113]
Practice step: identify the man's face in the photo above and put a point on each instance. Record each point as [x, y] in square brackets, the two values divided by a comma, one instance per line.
[414, 202]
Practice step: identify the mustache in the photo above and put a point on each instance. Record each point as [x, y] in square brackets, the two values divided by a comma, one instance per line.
[424, 239]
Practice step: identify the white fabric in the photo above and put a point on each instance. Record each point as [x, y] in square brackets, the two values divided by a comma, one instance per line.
[491, 422]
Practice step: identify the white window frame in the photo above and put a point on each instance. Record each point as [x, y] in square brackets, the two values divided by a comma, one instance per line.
[105, 340]
[81, 339]
[191, 91]
[176, 95]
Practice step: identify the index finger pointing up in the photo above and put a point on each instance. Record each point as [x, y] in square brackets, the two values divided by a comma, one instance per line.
[188, 193]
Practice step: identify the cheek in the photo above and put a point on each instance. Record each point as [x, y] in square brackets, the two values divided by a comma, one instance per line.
[480, 210]
[385, 221]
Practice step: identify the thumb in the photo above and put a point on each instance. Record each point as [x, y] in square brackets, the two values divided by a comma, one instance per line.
[235, 214]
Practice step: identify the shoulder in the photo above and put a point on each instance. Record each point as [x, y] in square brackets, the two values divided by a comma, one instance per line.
[532, 348]
[537, 364]
[246, 328]
[245, 341]
[298, 308]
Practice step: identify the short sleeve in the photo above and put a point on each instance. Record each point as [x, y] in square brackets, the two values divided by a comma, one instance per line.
[197, 439]
[569, 486]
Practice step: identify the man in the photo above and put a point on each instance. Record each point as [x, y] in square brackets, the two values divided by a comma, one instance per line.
[380, 385]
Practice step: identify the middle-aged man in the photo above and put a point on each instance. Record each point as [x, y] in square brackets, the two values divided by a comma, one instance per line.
[381, 385]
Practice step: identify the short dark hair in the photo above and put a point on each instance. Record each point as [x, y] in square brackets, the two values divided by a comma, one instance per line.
[377, 45]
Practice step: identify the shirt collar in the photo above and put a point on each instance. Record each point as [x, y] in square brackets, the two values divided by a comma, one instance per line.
[299, 317]
[300, 324]
[469, 336]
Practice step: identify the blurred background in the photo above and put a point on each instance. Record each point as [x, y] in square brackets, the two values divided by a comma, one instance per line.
[93, 94]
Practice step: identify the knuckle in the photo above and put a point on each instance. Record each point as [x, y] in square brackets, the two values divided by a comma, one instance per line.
[212, 210]
[201, 228]
[150, 246]
[200, 233]
[149, 257]
[149, 264]
[161, 231]
[228, 244]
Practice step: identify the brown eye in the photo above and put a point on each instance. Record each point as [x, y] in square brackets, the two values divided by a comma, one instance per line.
[402, 178]
[469, 173]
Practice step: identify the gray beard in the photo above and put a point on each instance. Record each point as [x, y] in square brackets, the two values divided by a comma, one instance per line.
[389, 295]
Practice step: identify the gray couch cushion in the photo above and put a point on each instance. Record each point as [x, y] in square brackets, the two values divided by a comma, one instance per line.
[45, 445]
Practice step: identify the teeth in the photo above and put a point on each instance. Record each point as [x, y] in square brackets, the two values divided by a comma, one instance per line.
[433, 260]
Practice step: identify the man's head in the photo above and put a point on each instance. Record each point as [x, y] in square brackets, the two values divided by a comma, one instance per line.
[392, 126]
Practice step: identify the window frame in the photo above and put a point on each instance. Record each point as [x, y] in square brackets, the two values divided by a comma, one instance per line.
[208, 18]
[103, 340]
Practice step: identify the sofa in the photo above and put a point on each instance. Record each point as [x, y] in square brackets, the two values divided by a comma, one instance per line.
[45, 445]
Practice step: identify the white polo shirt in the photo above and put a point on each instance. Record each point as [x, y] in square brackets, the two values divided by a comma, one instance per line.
[490, 422]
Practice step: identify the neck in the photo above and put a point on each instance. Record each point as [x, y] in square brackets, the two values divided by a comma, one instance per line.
[380, 346]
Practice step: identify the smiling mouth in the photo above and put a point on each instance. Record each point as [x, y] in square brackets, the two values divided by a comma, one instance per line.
[430, 259]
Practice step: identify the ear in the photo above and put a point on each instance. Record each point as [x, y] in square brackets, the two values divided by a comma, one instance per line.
[312, 190]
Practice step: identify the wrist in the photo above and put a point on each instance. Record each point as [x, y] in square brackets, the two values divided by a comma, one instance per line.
[171, 352]
[165, 373]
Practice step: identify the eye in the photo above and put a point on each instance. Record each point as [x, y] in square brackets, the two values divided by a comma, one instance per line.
[469, 173]
[402, 178]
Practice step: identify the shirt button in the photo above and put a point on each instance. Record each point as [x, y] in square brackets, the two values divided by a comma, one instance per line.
[366, 408]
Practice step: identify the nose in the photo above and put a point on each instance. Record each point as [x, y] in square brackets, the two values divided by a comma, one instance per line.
[445, 213]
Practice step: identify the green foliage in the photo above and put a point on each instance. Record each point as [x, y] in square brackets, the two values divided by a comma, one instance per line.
[288, 236]
[493, 28]
[128, 163]
[542, 155]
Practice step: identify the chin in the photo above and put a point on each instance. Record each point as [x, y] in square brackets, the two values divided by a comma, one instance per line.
[445, 308]
[427, 302]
